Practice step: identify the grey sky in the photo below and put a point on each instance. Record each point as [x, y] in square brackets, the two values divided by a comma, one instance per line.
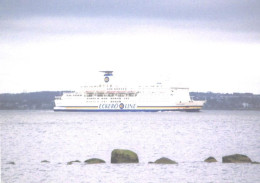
[236, 15]
[215, 43]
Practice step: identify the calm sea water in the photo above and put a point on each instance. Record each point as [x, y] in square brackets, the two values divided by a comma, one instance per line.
[28, 137]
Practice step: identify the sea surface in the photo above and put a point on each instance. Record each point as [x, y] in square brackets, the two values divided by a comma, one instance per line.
[29, 137]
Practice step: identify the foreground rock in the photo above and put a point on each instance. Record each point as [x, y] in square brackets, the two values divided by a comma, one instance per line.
[94, 161]
[10, 163]
[45, 161]
[71, 162]
[124, 156]
[210, 160]
[236, 158]
[164, 160]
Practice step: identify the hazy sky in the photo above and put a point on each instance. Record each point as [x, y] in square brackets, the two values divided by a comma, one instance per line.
[61, 44]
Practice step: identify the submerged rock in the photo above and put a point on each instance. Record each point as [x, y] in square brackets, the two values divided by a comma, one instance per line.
[71, 162]
[45, 161]
[94, 161]
[124, 156]
[236, 158]
[210, 160]
[10, 163]
[164, 160]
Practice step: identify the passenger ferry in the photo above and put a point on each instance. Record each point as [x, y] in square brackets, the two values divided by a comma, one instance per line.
[109, 97]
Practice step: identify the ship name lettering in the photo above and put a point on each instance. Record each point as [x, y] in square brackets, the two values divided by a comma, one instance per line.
[130, 106]
[116, 106]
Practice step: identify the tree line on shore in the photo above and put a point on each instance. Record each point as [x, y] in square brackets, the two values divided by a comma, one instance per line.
[215, 101]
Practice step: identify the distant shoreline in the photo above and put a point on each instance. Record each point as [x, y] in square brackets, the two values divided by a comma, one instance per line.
[44, 100]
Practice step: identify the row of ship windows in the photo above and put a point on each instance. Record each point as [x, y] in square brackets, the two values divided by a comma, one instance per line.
[111, 95]
[122, 89]
[100, 95]
[89, 99]
[106, 95]
[95, 86]
[104, 98]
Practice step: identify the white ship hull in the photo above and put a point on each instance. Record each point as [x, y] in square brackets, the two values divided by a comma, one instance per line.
[107, 97]
[190, 108]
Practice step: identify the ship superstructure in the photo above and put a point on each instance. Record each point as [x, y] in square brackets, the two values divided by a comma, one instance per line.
[109, 97]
